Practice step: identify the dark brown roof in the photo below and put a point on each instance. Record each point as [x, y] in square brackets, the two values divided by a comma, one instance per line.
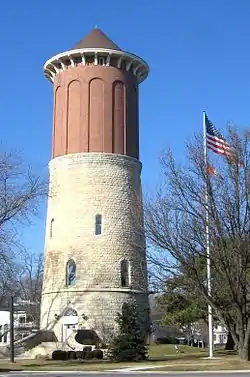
[96, 39]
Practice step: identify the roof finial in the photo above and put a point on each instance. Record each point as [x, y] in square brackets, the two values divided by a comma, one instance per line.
[96, 39]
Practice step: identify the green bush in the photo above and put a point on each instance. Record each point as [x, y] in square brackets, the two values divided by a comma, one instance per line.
[71, 355]
[129, 344]
[79, 354]
[97, 354]
[165, 340]
[59, 355]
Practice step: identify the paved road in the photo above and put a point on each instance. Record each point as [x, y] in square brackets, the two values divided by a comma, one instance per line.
[124, 374]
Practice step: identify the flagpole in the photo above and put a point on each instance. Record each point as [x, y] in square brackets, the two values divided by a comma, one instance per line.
[210, 316]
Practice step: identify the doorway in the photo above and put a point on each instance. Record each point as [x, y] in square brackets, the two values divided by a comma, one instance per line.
[69, 323]
[68, 330]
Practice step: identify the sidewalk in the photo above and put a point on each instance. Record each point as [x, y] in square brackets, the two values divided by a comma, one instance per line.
[211, 366]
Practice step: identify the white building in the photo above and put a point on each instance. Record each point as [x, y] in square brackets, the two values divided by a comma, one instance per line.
[23, 325]
[220, 335]
[4, 326]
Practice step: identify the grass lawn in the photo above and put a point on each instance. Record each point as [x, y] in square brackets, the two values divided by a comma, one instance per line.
[162, 357]
[167, 351]
[39, 365]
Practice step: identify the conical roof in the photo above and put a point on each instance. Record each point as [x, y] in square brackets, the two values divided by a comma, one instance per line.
[96, 39]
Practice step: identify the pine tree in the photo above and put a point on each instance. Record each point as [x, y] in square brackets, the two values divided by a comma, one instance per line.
[129, 344]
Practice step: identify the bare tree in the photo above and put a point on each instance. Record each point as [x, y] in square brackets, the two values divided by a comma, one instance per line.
[20, 194]
[29, 285]
[7, 273]
[175, 226]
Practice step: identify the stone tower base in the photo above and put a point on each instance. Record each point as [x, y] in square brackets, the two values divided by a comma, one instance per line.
[83, 186]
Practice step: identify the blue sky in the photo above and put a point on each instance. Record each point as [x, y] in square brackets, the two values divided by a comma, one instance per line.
[198, 53]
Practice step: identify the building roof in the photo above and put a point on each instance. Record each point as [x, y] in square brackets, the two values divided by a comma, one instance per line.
[96, 39]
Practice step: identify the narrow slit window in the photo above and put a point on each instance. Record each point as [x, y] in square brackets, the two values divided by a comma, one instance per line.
[51, 228]
[125, 273]
[98, 224]
[70, 273]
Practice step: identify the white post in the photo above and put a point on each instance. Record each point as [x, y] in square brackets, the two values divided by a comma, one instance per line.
[210, 316]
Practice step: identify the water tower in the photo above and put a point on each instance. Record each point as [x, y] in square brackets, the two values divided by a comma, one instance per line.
[95, 252]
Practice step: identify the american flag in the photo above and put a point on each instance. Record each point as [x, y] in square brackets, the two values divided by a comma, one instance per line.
[215, 140]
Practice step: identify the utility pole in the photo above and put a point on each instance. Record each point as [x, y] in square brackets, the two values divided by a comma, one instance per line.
[12, 356]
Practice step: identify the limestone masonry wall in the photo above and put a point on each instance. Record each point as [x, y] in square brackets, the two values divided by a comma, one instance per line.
[82, 186]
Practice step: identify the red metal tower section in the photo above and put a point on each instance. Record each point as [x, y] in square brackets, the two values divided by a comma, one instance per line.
[96, 98]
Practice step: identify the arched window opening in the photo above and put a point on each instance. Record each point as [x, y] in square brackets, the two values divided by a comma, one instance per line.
[98, 224]
[70, 273]
[125, 281]
[69, 312]
[51, 227]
